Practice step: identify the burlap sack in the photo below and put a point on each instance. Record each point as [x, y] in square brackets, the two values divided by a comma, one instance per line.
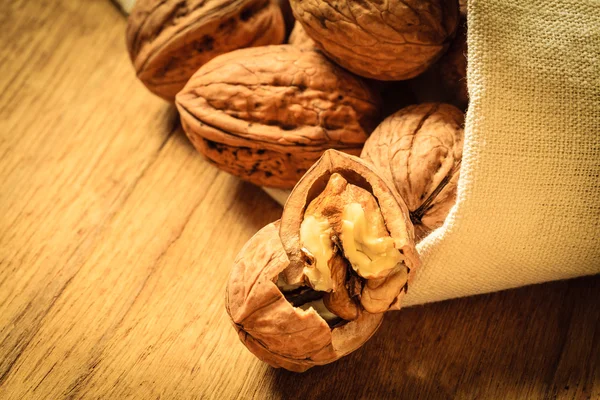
[528, 206]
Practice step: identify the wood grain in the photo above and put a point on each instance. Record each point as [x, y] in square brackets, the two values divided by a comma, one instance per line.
[116, 240]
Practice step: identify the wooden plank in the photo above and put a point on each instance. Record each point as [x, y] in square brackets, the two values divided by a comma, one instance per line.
[162, 243]
[74, 143]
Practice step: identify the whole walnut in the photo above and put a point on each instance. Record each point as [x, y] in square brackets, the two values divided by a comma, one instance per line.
[419, 150]
[168, 40]
[313, 287]
[266, 114]
[391, 40]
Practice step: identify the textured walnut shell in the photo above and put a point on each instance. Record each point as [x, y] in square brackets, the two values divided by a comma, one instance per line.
[269, 326]
[453, 68]
[391, 40]
[378, 295]
[300, 39]
[419, 149]
[266, 114]
[169, 40]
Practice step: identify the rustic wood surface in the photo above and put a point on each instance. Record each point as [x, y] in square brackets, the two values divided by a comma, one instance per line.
[116, 239]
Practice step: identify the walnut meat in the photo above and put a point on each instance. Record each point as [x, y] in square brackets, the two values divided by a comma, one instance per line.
[419, 149]
[267, 114]
[286, 328]
[391, 40]
[169, 40]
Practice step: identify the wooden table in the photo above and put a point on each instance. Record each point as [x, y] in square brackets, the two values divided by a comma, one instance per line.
[116, 239]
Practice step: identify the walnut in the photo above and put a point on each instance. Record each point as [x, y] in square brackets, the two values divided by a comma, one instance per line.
[317, 290]
[169, 40]
[391, 40]
[342, 207]
[288, 330]
[419, 149]
[266, 114]
[300, 39]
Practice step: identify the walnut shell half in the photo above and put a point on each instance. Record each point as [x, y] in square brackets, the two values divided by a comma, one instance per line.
[266, 114]
[272, 328]
[385, 40]
[342, 207]
[419, 149]
[169, 40]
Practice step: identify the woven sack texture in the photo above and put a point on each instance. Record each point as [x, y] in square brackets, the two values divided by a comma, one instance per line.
[528, 207]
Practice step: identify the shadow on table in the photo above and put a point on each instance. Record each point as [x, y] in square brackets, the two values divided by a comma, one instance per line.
[490, 346]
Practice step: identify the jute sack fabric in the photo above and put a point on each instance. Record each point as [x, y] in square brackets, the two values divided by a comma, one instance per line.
[528, 207]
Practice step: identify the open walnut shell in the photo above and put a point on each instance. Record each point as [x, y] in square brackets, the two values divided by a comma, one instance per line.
[168, 40]
[271, 326]
[419, 149]
[385, 40]
[343, 208]
[266, 114]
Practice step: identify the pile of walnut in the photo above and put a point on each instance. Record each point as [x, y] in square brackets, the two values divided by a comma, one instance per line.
[314, 286]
